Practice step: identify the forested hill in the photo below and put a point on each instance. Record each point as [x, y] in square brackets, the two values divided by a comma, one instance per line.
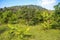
[28, 6]
[30, 14]
[32, 7]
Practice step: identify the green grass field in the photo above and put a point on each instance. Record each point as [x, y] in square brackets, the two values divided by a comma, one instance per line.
[25, 32]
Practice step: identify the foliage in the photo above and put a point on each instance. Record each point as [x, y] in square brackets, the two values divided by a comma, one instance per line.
[29, 22]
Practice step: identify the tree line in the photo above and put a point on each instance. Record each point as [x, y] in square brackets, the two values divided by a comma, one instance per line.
[31, 15]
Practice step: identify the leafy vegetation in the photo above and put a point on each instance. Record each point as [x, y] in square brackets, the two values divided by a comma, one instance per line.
[29, 22]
